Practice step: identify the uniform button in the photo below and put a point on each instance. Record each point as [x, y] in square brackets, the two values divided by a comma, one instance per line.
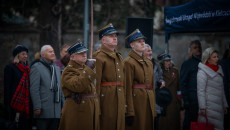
[117, 63]
[83, 101]
[118, 69]
[119, 89]
[126, 106]
[89, 76]
[83, 72]
[134, 95]
[119, 76]
[102, 95]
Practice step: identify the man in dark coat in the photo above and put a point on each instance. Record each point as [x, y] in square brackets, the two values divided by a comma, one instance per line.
[225, 64]
[188, 83]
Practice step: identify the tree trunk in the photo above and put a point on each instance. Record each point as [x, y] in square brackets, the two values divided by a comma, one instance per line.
[50, 22]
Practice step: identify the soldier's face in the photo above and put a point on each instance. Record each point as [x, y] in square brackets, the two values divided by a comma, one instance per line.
[138, 45]
[167, 63]
[110, 40]
[49, 54]
[148, 52]
[80, 58]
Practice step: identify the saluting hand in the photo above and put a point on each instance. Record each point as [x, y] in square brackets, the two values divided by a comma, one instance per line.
[90, 63]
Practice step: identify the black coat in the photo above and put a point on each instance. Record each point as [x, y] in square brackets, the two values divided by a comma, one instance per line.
[188, 80]
[226, 69]
[12, 77]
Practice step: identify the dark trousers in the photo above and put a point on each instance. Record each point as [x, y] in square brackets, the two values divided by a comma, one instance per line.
[191, 114]
[156, 122]
[226, 121]
[47, 124]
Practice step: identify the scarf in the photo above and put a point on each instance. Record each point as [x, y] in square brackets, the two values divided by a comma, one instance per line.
[20, 100]
[53, 84]
[213, 67]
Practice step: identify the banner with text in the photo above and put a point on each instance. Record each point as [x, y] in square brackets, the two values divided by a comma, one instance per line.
[198, 16]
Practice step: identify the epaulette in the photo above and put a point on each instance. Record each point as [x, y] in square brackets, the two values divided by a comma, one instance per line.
[120, 55]
[96, 53]
[69, 66]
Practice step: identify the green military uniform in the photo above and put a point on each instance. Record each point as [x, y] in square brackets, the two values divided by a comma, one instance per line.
[109, 70]
[172, 119]
[85, 114]
[140, 92]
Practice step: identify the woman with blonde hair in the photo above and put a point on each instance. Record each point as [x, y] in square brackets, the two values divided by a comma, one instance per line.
[16, 89]
[210, 90]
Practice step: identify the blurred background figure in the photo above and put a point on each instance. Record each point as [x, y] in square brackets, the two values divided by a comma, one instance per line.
[158, 79]
[188, 83]
[36, 58]
[64, 57]
[210, 90]
[171, 118]
[16, 90]
[225, 64]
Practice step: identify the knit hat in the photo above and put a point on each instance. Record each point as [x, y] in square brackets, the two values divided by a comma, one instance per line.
[18, 49]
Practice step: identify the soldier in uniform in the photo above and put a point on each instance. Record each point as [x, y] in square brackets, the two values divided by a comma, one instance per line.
[81, 109]
[171, 119]
[109, 79]
[139, 82]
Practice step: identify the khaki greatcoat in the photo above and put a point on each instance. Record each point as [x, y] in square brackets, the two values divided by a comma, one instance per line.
[84, 116]
[172, 119]
[141, 102]
[109, 68]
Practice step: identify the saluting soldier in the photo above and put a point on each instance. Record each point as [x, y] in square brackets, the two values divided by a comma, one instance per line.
[81, 109]
[139, 82]
[109, 79]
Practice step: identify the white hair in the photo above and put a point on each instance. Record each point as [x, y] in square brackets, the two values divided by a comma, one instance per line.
[147, 46]
[43, 48]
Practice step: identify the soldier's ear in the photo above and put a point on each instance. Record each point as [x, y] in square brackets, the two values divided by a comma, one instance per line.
[132, 44]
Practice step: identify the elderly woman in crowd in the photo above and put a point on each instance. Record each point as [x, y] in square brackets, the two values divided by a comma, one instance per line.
[171, 120]
[16, 89]
[210, 90]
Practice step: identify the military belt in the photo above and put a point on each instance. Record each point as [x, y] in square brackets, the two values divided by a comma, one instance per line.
[111, 84]
[145, 86]
[77, 97]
